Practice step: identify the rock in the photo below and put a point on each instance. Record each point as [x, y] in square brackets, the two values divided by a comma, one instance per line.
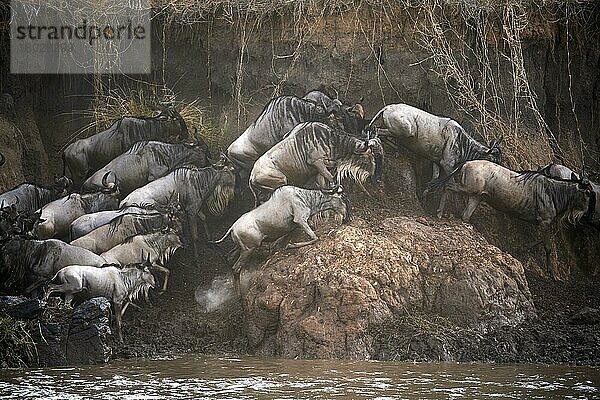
[89, 332]
[585, 316]
[322, 301]
[20, 307]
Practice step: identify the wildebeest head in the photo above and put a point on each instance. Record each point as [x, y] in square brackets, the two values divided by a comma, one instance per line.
[170, 112]
[338, 202]
[495, 151]
[583, 204]
[62, 185]
[144, 279]
[347, 118]
[200, 153]
[223, 191]
[200, 143]
[361, 164]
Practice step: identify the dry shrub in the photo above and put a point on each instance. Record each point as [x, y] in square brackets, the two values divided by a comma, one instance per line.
[17, 348]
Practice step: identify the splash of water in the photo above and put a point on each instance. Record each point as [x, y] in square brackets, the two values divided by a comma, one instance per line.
[216, 295]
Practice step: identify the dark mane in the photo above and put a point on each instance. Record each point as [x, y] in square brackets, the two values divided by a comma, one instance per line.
[527, 175]
[314, 111]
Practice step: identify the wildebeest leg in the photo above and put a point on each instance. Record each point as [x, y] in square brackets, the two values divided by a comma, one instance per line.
[472, 204]
[34, 286]
[118, 311]
[365, 191]
[245, 253]
[268, 184]
[277, 243]
[68, 288]
[435, 171]
[303, 222]
[127, 304]
[319, 164]
[167, 273]
[202, 219]
[547, 239]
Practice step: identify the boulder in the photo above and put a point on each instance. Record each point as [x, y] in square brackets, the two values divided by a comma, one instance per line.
[89, 333]
[20, 307]
[324, 300]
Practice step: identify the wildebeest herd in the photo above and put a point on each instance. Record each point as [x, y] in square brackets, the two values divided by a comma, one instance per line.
[135, 193]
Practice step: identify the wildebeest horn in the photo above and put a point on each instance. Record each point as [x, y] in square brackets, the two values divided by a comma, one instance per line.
[105, 179]
[2, 159]
[337, 95]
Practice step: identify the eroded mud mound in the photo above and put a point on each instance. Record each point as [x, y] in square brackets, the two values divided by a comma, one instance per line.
[322, 301]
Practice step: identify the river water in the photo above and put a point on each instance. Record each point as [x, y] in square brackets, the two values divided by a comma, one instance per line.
[251, 378]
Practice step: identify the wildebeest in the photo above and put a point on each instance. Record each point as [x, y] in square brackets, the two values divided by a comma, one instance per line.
[278, 117]
[147, 161]
[197, 190]
[58, 215]
[89, 154]
[119, 285]
[157, 248]
[88, 222]
[530, 196]
[28, 197]
[305, 156]
[439, 139]
[289, 207]
[123, 227]
[26, 264]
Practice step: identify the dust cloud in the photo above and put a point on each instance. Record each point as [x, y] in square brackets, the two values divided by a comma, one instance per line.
[213, 297]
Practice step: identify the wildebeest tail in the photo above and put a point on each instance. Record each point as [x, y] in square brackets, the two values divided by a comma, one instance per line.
[225, 236]
[374, 120]
[439, 184]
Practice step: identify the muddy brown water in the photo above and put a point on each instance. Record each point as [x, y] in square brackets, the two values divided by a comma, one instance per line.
[251, 378]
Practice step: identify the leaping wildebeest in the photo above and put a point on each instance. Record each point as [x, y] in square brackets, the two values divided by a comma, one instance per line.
[197, 190]
[124, 226]
[530, 196]
[58, 215]
[289, 207]
[28, 197]
[147, 161]
[278, 117]
[305, 155]
[87, 155]
[121, 286]
[439, 139]
[26, 264]
[157, 248]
